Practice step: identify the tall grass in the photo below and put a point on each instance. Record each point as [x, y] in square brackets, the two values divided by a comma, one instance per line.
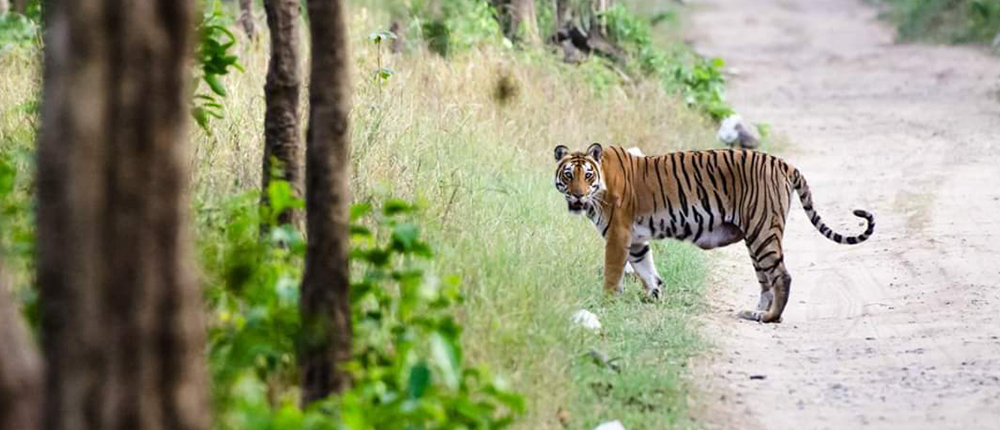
[436, 132]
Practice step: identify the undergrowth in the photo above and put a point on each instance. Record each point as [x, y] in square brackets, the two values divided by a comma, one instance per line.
[434, 131]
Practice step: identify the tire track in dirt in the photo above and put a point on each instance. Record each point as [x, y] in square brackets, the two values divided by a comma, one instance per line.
[902, 331]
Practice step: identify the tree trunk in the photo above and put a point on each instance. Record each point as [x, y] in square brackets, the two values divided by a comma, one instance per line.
[4, 7]
[121, 311]
[523, 21]
[246, 18]
[325, 299]
[20, 369]
[597, 8]
[19, 6]
[563, 13]
[281, 119]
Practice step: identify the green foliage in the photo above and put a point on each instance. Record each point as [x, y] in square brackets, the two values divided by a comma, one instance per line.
[448, 26]
[17, 224]
[214, 60]
[408, 367]
[704, 86]
[17, 29]
[698, 79]
[378, 39]
[952, 21]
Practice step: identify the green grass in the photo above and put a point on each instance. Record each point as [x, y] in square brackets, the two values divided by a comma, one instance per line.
[948, 21]
[482, 169]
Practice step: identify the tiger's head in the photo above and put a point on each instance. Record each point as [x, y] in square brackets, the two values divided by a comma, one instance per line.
[579, 176]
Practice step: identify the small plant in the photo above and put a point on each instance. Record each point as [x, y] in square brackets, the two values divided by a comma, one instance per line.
[379, 38]
[214, 59]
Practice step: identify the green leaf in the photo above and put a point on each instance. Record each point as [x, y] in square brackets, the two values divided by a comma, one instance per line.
[420, 379]
[215, 85]
[446, 358]
[394, 207]
[359, 210]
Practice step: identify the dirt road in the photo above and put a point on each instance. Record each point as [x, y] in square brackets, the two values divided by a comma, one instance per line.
[902, 331]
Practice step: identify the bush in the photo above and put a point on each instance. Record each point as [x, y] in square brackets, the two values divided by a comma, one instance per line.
[952, 21]
[408, 369]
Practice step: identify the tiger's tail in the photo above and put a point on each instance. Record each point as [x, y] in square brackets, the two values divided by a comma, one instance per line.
[799, 182]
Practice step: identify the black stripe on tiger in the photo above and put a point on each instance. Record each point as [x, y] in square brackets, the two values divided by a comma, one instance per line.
[802, 188]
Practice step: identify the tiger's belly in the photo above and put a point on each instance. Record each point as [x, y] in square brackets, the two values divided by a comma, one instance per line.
[698, 230]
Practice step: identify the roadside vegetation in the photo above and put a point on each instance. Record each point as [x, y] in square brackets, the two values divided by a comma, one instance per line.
[947, 21]
[460, 240]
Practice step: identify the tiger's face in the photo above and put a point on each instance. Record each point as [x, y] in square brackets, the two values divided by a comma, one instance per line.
[579, 176]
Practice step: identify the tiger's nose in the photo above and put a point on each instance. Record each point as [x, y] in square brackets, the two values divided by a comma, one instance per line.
[577, 195]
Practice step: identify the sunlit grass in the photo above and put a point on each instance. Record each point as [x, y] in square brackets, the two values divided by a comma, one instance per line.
[434, 133]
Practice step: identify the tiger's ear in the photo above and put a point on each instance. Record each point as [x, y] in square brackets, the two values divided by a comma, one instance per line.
[595, 151]
[561, 151]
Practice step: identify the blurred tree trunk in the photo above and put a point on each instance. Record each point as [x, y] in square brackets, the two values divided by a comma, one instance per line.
[524, 21]
[597, 20]
[563, 13]
[121, 311]
[281, 119]
[20, 368]
[4, 7]
[325, 300]
[20, 6]
[246, 18]
[517, 17]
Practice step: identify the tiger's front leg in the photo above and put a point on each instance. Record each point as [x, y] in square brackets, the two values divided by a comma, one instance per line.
[615, 255]
[641, 258]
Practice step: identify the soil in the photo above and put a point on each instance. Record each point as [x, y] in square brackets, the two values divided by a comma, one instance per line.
[902, 331]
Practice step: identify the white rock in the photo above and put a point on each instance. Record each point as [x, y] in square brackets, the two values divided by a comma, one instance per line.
[611, 425]
[636, 151]
[586, 319]
[727, 131]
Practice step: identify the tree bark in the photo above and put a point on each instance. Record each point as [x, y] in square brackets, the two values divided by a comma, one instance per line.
[19, 6]
[524, 24]
[4, 7]
[325, 299]
[121, 312]
[597, 8]
[281, 119]
[20, 368]
[246, 18]
[563, 13]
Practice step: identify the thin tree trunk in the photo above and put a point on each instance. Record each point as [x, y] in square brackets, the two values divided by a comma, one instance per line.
[4, 7]
[121, 311]
[246, 18]
[20, 368]
[325, 299]
[524, 24]
[281, 119]
[563, 13]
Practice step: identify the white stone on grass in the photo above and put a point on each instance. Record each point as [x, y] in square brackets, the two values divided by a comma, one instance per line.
[611, 425]
[586, 319]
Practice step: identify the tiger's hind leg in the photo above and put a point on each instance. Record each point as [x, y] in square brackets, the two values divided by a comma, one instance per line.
[775, 284]
[640, 257]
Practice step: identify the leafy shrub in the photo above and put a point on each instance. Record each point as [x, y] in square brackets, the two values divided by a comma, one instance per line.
[214, 60]
[449, 26]
[16, 29]
[953, 21]
[408, 369]
[699, 80]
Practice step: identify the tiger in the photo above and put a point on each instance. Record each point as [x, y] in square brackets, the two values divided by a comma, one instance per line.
[712, 198]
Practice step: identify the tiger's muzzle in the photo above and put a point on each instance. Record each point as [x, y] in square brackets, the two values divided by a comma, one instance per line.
[577, 203]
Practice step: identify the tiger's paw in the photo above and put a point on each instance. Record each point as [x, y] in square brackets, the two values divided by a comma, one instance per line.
[653, 294]
[757, 316]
